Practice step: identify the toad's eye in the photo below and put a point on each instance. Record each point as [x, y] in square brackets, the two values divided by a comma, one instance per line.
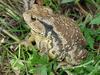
[33, 18]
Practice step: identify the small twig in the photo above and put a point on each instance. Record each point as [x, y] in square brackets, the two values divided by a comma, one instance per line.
[97, 6]
[83, 65]
[83, 11]
[31, 3]
[28, 4]
[25, 5]
[10, 35]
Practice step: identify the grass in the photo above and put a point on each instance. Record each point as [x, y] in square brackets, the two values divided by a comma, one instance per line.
[16, 59]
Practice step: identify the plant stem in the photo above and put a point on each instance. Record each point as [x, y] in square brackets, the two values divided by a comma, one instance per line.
[10, 35]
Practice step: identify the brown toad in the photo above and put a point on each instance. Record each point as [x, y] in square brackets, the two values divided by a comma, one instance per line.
[55, 35]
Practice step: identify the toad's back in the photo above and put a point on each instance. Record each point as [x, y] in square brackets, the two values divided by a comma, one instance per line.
[68, 31]
[67, 39]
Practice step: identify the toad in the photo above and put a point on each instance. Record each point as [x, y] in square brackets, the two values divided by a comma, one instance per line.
[55, 35]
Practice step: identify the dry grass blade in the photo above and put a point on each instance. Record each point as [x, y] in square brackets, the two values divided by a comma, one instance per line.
[16, 5]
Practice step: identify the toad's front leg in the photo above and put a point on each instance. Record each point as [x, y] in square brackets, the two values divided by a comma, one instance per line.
[29, 39]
